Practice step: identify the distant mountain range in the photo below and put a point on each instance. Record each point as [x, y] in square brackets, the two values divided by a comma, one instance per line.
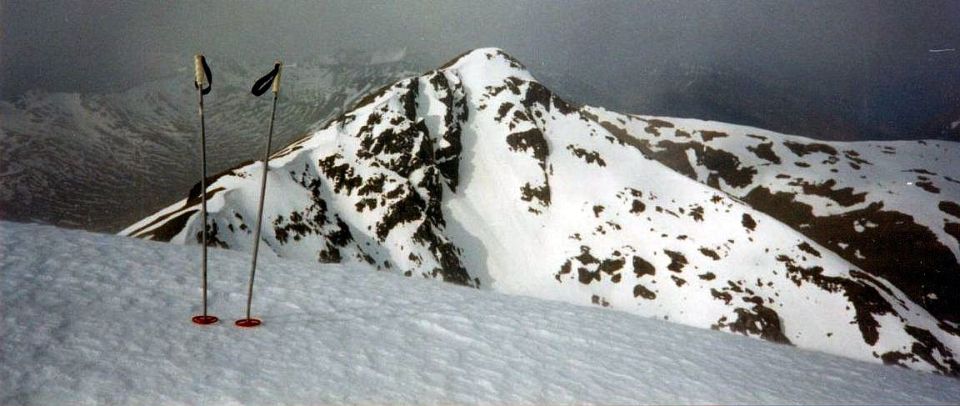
[477, 174]
[101, 161]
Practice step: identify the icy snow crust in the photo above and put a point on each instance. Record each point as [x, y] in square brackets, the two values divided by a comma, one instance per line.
[98, 319]
[478, 175]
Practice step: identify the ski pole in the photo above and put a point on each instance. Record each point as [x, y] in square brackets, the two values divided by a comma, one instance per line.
[202, 75]
[259, 88]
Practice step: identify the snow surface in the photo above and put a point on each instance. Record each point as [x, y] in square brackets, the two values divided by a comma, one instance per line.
[98, 319]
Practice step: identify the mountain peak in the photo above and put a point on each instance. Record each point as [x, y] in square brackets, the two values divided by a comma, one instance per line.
[493, 62]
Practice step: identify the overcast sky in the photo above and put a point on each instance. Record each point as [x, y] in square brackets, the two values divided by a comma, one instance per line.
[855, 49]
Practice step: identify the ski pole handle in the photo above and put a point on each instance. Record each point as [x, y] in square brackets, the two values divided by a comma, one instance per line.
[276, 80]
[201, 74]
[199, 77]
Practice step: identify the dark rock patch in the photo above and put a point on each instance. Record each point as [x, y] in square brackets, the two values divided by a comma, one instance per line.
[843, 196]
[678, 280]
[759, 321]
[503, 110]
[726, 297]
[539, 95]
[950, 208]
[697, 213]
[169, 228]
[707, 252]
[540, 193]
[952, 229]
[927, 345]
[654, 125]
[920, 171]
[530, 141]
[213, 239]
[855, 159]
[748, 222]
[295, 227]
[765, 151]
[641, 291]
[923, 351]
[928, 186]
[591, 269]
[726, 166]
[800, 149]
[451, 268]
[597, 300]
[342, 176]
[373, 185]
[805, 247]
[677, 261]
[329, 255]
[611, 266]
[641, 267]
[591, 157]
[709, 135]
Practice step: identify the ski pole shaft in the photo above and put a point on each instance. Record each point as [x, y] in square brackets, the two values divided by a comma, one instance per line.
[263, 188]
[203, 202]
[199, 79]
[198, 70]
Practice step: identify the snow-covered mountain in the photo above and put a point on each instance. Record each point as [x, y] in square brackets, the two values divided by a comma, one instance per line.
[891, 208]
[102, 161]
[98, 319]
[477, 174]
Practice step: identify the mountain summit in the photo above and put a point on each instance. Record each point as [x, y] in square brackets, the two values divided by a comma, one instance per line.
[477, 174]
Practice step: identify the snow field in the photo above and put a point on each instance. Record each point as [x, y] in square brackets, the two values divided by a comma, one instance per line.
[97, 319]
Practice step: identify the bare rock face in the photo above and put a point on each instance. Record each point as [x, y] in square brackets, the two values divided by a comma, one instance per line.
[477, 174]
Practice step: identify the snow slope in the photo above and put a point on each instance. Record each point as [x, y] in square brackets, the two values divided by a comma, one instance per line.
[477, 174]
[101, 161]
[891, 208]
[98, 319]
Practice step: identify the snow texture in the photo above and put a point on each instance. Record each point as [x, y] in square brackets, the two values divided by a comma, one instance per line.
[98, 319]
